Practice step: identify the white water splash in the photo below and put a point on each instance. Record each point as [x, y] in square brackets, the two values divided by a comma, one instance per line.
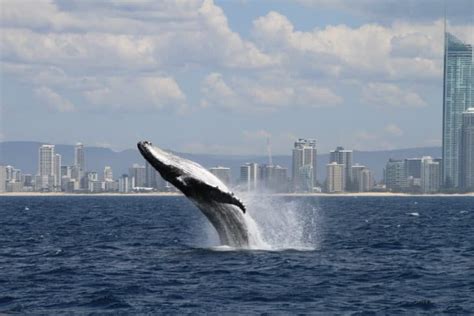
[277, 224]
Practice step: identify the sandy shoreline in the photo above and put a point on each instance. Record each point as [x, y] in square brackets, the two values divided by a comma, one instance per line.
[362, 194]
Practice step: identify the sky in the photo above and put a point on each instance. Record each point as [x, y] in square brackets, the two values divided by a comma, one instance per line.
[222, 77]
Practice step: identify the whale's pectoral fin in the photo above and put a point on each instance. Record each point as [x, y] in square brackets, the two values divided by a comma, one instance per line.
[214, 193]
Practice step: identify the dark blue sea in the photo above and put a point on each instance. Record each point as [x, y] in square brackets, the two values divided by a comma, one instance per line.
[159, 255]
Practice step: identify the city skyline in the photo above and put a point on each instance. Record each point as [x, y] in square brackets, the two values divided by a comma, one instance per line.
[411, 175]
[316, 72]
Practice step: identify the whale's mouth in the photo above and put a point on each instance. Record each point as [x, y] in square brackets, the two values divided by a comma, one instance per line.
[142, 147]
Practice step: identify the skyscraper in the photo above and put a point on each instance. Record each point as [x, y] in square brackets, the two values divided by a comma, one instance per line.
[395, 175]
[249, 176]
[79, 167]
[137, 176]
[430, 175]
[304, 165]
[79, 159]
[344, 157]
[45, 179]
[222, 173]
[153, 179]
[57, 172]
[467, 149]
[413, 166]
[457, 97]
[3, 178]
[273, 178]
[362, 179]
[108, 174]
[335, 180]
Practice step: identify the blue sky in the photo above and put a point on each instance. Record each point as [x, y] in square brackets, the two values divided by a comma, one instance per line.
[223, 76]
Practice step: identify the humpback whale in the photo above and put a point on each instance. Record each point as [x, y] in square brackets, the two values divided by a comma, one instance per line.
[224, 210]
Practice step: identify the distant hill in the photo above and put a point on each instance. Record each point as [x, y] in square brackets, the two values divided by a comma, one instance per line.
[24, 155]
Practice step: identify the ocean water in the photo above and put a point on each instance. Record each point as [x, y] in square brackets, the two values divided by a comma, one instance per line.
[159, 255]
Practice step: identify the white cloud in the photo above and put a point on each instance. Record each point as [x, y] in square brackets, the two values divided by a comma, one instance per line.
[265, 93]
[53, 100]
[216, 91]
[133, 36]
[390, 95]
[138, 93]
[393, 129]
[399, 51]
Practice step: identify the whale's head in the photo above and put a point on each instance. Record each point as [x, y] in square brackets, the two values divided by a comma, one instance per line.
[188, 176]
[165, 163]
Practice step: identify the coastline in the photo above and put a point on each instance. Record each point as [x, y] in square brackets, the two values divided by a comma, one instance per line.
[360, 194]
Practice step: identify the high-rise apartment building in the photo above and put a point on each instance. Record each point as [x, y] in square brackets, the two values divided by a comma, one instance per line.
[79, 158]
[79, 168]
[366, 182]
[430, 175]
[45, 179]
[222, 173]
[57, 172]
[413, 166]
[108, 174]
[395, 175]
[362, 179]
[249, 176]
[273, 178]
[335, 177]
[46, 160]
[467, 150]
[137, 176]
[124, 184]
[457, 97]
[3, 178]
[153, 178]
[304, 165]
[343, 157]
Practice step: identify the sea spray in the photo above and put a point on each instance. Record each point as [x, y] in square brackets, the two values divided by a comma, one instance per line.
[279, 223]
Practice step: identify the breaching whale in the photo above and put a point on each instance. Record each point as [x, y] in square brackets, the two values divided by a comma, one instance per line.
[225, 211]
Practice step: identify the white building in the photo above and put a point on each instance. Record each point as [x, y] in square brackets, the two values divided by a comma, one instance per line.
[395, 175]
[223, 173]
[430, 175]
[45, 181]
[362, 179]
[3, 178]
[249, 176]
[108, 174]
[79, 157]
[343, 157]
[273, 178]
[78, 172]
[96, 186]
[57, 172]
[335, 177]
[304, 162]
[366, 183]
[124, 185]
[137, 176]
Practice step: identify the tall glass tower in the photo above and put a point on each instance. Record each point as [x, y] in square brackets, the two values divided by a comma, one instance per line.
[457, 97]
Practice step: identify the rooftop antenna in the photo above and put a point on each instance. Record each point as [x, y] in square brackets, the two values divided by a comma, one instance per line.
[269, 149]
